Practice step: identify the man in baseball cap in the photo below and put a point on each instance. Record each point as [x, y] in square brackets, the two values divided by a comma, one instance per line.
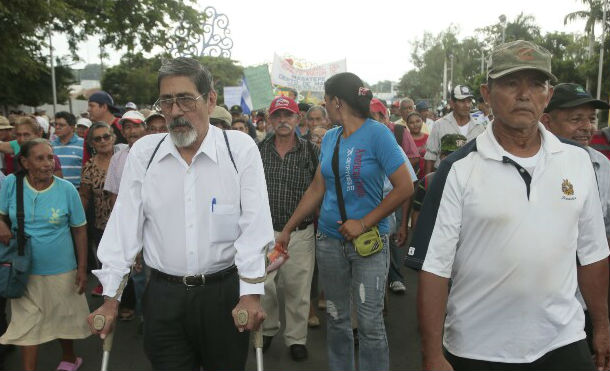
[504, 219]
[82, 125]
[571, 114]
[458, 121]
[221, 118]
[156, 123]
[290, 163]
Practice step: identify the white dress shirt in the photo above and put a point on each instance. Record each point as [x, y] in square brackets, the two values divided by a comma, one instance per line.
[196, 219]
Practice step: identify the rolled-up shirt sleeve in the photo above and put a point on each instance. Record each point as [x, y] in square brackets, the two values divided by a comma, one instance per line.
[122, 239]
[254, 222]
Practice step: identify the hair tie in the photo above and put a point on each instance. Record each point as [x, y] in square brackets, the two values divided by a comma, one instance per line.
[362, 91]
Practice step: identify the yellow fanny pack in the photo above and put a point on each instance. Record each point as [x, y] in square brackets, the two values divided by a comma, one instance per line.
[369, 242]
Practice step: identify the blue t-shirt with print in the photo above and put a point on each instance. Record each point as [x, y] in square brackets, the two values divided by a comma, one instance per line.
[365, 158]
[49, 214]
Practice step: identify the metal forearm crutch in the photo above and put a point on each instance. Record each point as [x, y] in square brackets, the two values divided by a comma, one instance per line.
[257, 337]
[99, 322]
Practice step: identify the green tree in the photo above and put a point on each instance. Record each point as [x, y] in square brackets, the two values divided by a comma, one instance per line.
[134, 79]
[34, 89]
[134, 24]
[592, 16]
[523, 27]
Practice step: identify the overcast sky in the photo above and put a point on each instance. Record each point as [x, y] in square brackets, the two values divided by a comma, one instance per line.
[374, 36]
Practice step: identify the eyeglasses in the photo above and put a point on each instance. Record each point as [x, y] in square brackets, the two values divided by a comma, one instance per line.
[185, 103]
[104, 137]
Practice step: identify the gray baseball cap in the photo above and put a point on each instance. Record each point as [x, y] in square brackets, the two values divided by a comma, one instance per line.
[517, 56]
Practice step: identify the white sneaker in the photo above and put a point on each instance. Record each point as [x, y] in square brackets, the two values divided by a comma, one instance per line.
[398, 287]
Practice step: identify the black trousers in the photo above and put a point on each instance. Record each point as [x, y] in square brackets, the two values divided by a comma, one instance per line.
[186, 328]
[573, 356]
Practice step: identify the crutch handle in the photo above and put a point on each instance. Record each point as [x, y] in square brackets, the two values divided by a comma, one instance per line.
[99, 321]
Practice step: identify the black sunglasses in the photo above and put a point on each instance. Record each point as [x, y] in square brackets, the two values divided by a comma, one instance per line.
[104, 137]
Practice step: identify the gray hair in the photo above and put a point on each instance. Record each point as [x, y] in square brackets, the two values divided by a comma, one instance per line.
[317, 108]
[407, 100]
[189, 67]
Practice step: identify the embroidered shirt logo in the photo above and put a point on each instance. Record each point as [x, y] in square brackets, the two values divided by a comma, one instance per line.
[54, 219]
[567, 188]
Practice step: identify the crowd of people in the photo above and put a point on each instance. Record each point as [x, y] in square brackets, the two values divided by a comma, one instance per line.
[504, 208]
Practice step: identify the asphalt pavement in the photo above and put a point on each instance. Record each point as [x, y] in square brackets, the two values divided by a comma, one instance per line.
[128, 353]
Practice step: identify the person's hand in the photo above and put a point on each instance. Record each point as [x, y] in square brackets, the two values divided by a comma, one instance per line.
[601, 348]
[351, 229]
[436, 363]
[283, 239]
[81, 280]
[109, 310]
[256, 315]
[5, 233]
[402, 234]
[137, 265]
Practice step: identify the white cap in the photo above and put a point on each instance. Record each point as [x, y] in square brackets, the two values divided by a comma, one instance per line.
[131, 105]
[133, 116]
[84, 122]
[44, 123]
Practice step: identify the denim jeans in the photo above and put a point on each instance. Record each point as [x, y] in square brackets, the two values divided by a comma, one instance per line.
[345, 275]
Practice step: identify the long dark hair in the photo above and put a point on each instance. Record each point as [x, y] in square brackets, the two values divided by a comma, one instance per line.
[350, 88]
[24, 152]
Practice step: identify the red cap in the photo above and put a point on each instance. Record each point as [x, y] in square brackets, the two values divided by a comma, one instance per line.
[396, 103]
[377, 106]
[286, 103]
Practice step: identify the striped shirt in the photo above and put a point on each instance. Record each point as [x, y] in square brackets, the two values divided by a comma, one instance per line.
[71, 158]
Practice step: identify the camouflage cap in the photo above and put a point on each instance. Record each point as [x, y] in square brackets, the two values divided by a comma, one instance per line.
[452, 142]
[517, 56]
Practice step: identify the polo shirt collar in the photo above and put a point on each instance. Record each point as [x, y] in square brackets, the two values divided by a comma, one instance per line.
[488, 146]
[208, 146]
[73, 140]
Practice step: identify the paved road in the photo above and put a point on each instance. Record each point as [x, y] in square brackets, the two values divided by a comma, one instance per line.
[128, 354]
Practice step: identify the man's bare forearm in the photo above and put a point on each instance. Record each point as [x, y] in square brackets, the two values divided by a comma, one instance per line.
[432, 295]
[593, 283]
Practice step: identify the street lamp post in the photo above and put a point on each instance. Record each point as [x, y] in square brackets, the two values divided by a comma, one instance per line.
[601, 49]
[502, 19]
[53, 85]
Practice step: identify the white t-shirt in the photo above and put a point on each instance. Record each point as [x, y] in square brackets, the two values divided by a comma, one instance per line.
[528, 163]
[464, 129]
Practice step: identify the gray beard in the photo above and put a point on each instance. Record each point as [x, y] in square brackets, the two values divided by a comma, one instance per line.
[182, 139]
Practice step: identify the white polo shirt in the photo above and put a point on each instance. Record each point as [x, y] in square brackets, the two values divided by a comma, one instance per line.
[510, 249]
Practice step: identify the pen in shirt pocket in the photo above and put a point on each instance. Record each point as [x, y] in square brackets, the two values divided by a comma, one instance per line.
[213, 203]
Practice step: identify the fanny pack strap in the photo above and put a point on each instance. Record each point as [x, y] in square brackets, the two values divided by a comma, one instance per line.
[338, 190]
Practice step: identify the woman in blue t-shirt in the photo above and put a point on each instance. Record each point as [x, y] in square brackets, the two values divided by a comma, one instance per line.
[52, 306]
[367, 152]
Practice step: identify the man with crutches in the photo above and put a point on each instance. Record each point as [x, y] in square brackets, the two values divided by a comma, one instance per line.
[196, 203]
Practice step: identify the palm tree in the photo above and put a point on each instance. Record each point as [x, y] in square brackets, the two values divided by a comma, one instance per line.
[592, 17]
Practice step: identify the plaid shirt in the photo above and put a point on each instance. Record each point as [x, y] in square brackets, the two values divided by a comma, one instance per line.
[288, 178]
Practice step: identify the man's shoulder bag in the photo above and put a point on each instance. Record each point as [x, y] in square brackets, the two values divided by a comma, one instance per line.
[16, 258]
[369, 242]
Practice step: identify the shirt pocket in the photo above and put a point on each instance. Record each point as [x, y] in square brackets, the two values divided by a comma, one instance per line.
[224, 223]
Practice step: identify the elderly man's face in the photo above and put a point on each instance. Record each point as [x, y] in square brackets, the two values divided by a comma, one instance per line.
[575, 123]
[518, 99]
[315, 119]
[184, 124]
[406, 107]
